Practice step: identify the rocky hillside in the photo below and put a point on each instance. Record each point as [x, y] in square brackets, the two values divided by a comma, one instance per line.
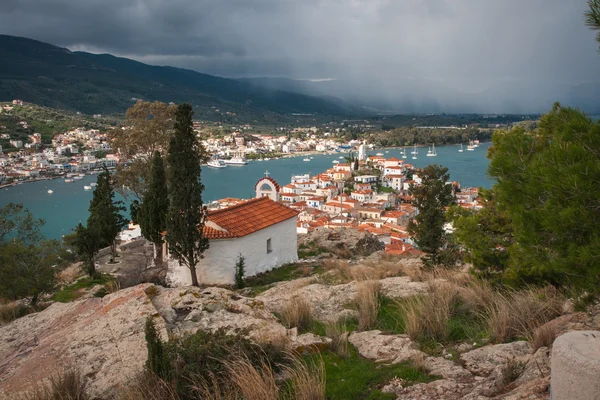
[103, 338]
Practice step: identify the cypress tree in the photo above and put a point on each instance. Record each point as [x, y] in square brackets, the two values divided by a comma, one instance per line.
[153, 215]
[431, 199]
[185, 219]
[105, 220]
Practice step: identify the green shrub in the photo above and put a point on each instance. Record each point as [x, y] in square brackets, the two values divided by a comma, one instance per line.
[239, 272]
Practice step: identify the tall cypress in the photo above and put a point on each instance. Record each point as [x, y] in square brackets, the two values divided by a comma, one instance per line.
[153, 212]
[431, 199]
[105, 220]
[185, 219]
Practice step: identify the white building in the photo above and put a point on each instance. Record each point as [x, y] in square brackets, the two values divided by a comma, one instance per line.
[260, 230]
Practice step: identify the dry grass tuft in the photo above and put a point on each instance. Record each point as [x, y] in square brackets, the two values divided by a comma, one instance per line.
[69, 385]
[543, 336]
[112, 286]
[70, 274]
[307, 379]
[518, 313]
[338, 333]
[11, 311]
[297, 313]
[367, 302]
[253, 382]
[430, 315]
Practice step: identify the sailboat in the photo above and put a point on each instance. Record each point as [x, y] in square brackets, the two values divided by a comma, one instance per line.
[415, 153]
[404, 152]
[470, 147]
[432, 152]
[461, 148]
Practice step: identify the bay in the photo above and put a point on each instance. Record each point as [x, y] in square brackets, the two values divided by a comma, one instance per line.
[68, 204]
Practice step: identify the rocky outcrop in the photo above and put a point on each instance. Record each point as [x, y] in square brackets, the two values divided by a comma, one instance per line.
[330, 303]
[101, 338]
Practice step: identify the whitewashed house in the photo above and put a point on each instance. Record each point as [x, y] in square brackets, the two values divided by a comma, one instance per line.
[261, 230]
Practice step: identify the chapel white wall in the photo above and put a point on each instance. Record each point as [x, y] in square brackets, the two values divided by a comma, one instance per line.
[218, 265]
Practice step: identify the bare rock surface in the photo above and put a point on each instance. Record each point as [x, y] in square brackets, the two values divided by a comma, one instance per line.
[380, 347]
[330, 303]
[102, 338]
[484, 360]
[189, 309]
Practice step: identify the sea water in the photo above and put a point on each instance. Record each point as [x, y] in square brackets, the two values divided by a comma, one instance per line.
[68, 204]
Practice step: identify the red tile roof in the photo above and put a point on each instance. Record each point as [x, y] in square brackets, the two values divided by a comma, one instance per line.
[246, 218]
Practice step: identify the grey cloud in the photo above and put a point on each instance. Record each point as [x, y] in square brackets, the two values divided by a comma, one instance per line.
[388, 49]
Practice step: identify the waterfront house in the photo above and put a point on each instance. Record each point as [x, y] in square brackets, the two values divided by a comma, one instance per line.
[261, 230]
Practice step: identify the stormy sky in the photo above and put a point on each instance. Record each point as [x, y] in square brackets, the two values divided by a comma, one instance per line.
[434, 47]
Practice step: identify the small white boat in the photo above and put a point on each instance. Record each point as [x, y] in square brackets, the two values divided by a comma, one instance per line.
[237, 161]
[68, 180]
[312, 158]
[93, 184]
[341, 158]
[50, 191]
[335, 161]
[216, 163]
[432, 152]
[78, 177]
[87, 187]
[414, 150]
[387, 151]
[379, 154]
[475, 143]
[461, 148]
[267, 159]
[404, 153]
[470, 147]
[306, 159]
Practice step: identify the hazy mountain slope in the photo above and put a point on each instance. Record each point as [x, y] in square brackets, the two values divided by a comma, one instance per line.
[52, 76]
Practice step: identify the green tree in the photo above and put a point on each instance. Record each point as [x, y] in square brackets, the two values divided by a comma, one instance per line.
[153, 211]
[149, 128]
[27, 261]
[592, 17]
[548, 188]
[486, 235]
[186, 216]
[87, 244]
[27, 269]
[431, 199]
[105, 220]
[240, 266]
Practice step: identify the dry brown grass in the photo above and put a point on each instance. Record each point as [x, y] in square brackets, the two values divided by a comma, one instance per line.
[11, 311]
[367, 302]
[297, 312]
[430, 315]
[70, 274]
[338, 333]
[543, 336]
[307, 379]
[253, 382]
[68, 385]
[519, 313]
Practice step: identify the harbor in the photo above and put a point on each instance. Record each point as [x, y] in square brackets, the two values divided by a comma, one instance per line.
[68, 203]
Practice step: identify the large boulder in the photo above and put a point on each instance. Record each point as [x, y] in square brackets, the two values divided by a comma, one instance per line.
[103, 338]
[484, 360]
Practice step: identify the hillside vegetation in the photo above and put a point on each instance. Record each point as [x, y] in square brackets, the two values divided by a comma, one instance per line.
[101, 83]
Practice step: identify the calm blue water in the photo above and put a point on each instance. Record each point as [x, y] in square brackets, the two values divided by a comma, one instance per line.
[69, 203]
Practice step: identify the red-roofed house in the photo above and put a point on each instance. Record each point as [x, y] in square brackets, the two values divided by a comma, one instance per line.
[261, 230]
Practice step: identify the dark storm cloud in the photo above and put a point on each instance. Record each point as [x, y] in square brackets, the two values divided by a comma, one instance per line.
[414, 45]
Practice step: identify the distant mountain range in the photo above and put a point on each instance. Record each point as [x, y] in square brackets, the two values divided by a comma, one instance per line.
[55, 77]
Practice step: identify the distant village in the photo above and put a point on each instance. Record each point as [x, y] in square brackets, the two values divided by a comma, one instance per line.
[369, 195]
[366, 194]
